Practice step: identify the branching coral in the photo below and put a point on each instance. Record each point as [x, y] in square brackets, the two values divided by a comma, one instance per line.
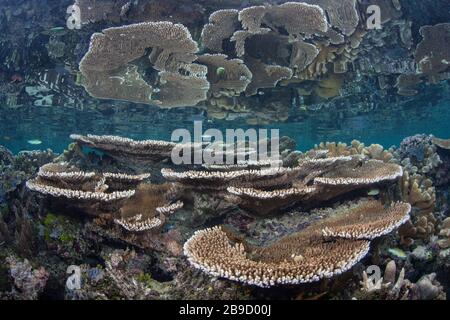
[444, 234]
[374, 151]
[303, 257]
[393, 287]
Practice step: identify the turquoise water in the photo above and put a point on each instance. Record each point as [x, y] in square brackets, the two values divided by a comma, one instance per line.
[52, 126]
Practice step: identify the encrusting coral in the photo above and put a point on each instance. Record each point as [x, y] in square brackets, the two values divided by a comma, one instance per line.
[307, 256]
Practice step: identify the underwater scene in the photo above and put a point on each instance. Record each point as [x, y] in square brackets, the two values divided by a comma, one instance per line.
[225, 150]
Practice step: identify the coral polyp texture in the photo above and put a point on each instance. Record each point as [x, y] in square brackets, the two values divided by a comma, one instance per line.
[323, 250]
[370, 172]
[317, 180]
[70, 183]
[221, 179]
[367, 220]
[210, 250]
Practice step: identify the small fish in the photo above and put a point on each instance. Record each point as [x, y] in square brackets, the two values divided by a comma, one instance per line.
[398, 253]
[373, 192]
[34, 141]
[220, 71]
[57, 29]
[6, 138]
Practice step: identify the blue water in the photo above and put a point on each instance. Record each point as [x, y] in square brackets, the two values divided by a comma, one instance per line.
[53, 126]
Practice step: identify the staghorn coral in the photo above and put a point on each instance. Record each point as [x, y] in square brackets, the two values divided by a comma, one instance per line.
[306, 256]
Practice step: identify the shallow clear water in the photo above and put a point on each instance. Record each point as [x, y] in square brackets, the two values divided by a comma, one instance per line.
[52, 126]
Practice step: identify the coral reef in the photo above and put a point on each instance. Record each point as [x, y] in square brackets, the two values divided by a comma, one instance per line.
[139, 213]
[300, 258]
[86, 189]
[329, 212]
[309, 223]
[389, 287]
[28, 282]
